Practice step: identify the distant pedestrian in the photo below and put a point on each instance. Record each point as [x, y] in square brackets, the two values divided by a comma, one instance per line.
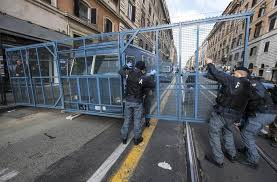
[230, 105]
[136, 81]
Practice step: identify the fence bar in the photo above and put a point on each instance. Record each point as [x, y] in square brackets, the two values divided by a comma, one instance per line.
[179, 91]
[41, 80]
[26, 83]
[246, 41]
[56, 58]
[196, 104]
[158, 71]
[31, 81]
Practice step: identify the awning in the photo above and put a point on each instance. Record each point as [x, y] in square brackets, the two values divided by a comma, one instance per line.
[27, 29]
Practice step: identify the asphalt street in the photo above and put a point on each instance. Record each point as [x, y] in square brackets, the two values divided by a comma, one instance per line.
[42, 145]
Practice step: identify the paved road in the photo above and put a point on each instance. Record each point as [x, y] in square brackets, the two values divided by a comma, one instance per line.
[41, 145]
[33, 141]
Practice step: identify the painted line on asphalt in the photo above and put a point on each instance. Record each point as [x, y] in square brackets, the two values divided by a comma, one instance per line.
[101, 172]
[110, 161]
[7, 176]
[132, 159]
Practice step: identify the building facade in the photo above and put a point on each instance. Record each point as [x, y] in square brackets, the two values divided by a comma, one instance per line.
[226, 40]
[33, 21]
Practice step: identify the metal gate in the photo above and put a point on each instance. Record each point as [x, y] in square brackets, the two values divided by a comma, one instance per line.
[34, 75]
[80, 74]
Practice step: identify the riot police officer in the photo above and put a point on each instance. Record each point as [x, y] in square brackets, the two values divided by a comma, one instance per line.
[260, 111]
[230, 105]
[136, 81]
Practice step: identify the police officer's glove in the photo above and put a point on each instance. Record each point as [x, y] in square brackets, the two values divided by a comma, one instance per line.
[153, 72]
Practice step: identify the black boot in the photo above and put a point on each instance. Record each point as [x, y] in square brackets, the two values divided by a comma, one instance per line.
[242, 159]
[232, 159]
[147, 124]
[138, 141]
[242, 150]
[211, 160]
[124, 141]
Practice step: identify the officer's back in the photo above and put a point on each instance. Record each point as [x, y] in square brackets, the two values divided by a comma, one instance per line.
[234, 92]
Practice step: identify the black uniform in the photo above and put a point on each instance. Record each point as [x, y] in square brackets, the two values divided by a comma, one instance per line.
[230, 105]
[136, 82]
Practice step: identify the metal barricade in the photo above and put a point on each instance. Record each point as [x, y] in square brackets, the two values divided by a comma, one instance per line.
[80, 74]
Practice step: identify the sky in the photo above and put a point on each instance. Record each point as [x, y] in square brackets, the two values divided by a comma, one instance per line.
[184, 10]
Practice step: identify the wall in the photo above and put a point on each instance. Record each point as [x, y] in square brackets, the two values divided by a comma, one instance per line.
[28, 11]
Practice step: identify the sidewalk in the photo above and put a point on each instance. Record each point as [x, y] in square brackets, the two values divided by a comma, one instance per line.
[10, 103]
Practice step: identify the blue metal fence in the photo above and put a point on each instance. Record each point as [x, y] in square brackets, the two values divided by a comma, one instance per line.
[80, 74]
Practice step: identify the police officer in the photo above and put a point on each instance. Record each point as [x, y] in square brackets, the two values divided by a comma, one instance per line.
[136, 81]
[230, 105]
[260, 111]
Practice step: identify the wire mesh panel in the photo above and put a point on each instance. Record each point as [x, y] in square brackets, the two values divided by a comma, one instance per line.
[34, 75]
[88, 68]
[81, 74]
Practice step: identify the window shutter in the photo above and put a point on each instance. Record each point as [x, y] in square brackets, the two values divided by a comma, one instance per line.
[76, 7]
[93, 16]
[134, 14]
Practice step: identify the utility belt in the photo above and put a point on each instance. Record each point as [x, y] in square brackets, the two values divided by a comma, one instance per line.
[267, 110]
[227, 112]
[132, 98]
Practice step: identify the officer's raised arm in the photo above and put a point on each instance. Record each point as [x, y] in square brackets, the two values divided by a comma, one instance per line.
[220, 76]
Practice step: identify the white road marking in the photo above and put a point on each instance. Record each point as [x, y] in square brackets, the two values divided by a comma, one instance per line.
[3, 170]
[101, 172]
[105, 167]
[7, 176]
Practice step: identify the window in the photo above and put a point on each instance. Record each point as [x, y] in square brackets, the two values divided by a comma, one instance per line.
[140, 43]
[150, 10]
[47, 1]
[239, 40]
[266, 46]
[236, 56]
[83, 11]
[250, 66]
[242, 54]
[262, 10]
[131, 11]
[258, 30]
[275, 3]
[254, 2]
[108, 25]
[142, 20]
[251, 18]
[106, 64]
[272, 22]
[253, 51]
[233, 43]
[93, 16]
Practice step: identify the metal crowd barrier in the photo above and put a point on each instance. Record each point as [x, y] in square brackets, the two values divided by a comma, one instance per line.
[80, 74]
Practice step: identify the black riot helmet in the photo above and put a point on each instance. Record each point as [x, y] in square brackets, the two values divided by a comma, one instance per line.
[140, 65]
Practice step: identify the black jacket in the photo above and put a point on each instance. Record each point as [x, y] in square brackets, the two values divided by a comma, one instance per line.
[260, 101]
[136, 83]
[234, 93]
